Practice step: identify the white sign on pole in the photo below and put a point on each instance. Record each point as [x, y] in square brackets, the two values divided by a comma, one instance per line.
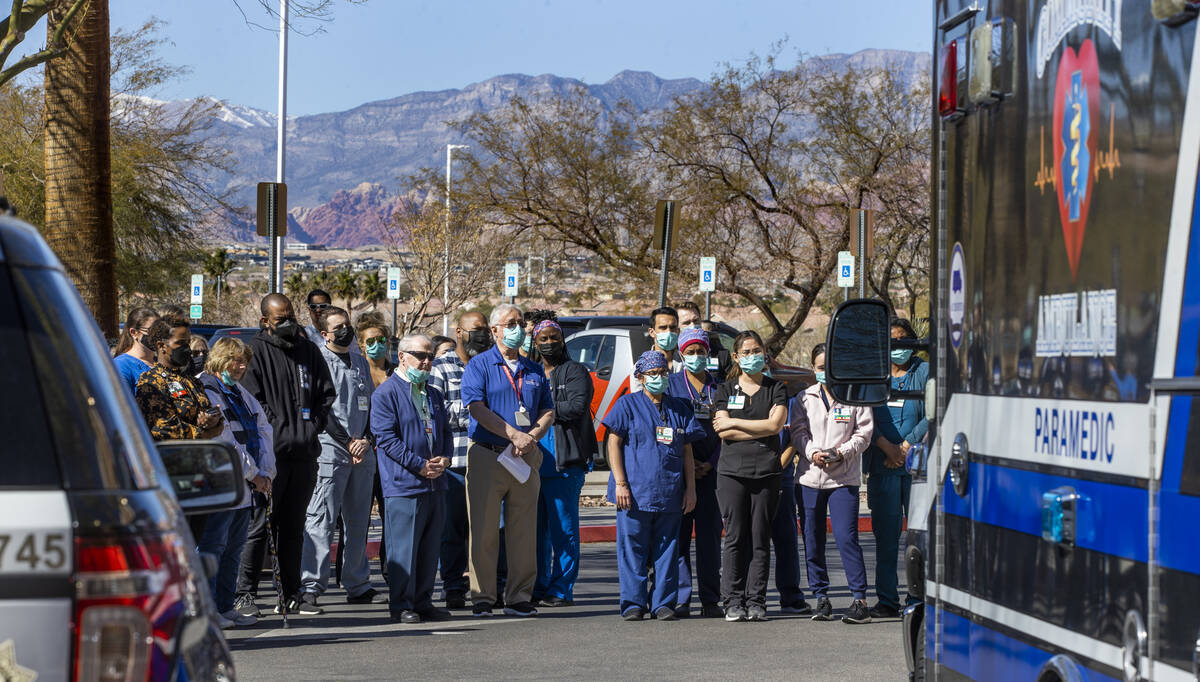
[197, 289]
[512, 273]
[393, 287]
[708, 274]
[845, 269]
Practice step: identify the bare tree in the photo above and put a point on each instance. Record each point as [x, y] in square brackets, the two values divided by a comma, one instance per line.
[24, 16]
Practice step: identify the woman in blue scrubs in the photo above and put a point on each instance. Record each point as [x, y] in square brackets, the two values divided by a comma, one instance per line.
[652, 482]
[697, 386]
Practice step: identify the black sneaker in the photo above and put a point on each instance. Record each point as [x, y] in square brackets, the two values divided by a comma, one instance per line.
[500, 602]
[711, 611]
[308, 605]
[481, 610]
[407, 617]
[884, 611]
[555, 602]
[292, 605]
[367, 597]
[684, 611]
[245, 605]
[521, 609]
[824, 610]
[800, 608]
[633, 613]
[665, 614]
[857, 614]
[456, 600]
[735, 614]
[756, 613]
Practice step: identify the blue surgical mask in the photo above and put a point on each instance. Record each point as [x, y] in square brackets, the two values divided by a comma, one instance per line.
[752, 364]
[666, 340]
[655, 384]
[695, 363]
[528, 345]
[226, 379]
[513, 336]
[416, 376]
[377, 350]
[901, 356]
[820, 377]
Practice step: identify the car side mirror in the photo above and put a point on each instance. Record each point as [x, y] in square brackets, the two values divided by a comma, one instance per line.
[856, 352]
[206, 475]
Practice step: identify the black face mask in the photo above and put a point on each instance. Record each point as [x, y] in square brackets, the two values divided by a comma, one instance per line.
[552, 350]
[287, 330]
[478, 340]
[181, 357]
[343, 337]
[197, 364]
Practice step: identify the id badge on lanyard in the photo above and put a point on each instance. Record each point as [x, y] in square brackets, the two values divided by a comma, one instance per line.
[521, 416]
[305, 412]
[664, 434]
[737, 401]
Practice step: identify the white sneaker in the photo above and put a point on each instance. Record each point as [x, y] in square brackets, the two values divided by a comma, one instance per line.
[223, 622]
[239, 619]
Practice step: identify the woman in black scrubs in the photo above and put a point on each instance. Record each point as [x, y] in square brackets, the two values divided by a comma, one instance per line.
[749, 412]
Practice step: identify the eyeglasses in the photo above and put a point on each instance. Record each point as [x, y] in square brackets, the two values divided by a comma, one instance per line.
[199, 353]
[655, 373]
[318, 306]
[420, 355]
[510, 325]
[375, 339]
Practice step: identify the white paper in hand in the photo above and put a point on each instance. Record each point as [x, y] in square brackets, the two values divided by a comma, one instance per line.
[517, 466]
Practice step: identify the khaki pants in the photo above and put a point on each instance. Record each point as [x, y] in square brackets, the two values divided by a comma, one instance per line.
[488, 483]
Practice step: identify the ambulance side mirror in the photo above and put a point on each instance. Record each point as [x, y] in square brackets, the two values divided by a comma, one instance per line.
[856, 353]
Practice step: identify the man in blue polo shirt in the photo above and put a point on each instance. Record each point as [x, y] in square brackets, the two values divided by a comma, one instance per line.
[511, 409]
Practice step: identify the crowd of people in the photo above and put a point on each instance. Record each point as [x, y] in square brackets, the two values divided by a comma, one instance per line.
[474, 449]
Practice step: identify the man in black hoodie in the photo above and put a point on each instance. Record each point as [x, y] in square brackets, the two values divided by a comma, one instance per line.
[288, 376]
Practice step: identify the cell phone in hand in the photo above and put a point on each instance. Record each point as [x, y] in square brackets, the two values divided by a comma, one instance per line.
[213, 412]
[833, 457]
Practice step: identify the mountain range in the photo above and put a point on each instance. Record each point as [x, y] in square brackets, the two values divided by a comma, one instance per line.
[343, 168]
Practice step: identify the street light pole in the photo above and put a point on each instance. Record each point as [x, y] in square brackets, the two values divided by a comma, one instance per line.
[446, 281]
[277, 241]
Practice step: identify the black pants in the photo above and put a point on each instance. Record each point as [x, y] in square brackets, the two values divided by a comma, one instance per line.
[255, 549]
[290, 493]
[748, 507]
[378, 493]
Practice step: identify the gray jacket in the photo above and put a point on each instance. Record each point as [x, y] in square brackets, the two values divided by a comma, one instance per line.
[351, 406]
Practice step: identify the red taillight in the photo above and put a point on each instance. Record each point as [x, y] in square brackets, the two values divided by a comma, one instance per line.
[128, 601]
[948, 79]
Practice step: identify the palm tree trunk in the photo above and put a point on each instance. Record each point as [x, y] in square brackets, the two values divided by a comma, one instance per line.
[79, 220]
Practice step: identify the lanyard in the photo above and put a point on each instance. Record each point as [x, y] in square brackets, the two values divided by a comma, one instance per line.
[662, 412]
[824, 399]
[517, 384]
[706, 391]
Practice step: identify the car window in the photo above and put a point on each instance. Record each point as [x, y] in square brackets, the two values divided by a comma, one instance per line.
[27, 457]
[97, 432]
[585, 349]
[725, 340]
[607, 352]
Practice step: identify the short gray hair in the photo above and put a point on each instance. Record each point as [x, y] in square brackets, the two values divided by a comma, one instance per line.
[409, 340]
[502, 310]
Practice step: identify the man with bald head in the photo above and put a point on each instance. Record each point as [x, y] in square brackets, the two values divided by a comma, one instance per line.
[446, 376]
[288, 376]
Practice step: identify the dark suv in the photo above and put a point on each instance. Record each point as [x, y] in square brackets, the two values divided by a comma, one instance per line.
[99, 577]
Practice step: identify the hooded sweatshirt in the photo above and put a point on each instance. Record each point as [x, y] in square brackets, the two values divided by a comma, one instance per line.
[293, 386]
[845, 428]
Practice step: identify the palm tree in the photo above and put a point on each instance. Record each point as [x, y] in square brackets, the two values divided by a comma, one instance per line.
[217, 266]
[294, 284]
[373, 288]
[345, 284]
[78, 180]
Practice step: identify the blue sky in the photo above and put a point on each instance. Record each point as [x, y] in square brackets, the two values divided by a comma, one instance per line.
[386, 48]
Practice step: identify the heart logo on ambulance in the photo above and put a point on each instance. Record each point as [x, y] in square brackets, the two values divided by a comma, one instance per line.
[1076, 103]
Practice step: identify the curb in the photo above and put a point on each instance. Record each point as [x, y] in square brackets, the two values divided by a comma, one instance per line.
[605, 533]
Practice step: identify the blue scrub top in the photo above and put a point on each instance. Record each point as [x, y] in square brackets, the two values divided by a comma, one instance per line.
[707, 449]
[899, 420]
[486, 379]
[654, 470]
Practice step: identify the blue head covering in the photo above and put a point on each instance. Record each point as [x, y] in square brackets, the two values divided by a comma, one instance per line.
[649, 360]
[692, 335]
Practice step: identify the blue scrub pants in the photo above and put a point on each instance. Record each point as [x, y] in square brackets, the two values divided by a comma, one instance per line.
[645, 538]
[455, 535]
[558, 535]
[224, 536]
[705, 519]
[786, 543]
[887, 495]
[414, 526]
[841, 506]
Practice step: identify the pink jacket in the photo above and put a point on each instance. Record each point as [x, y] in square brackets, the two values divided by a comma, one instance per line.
[844, 427]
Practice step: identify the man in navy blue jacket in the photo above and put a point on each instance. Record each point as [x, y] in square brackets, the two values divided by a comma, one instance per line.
[412, 435]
